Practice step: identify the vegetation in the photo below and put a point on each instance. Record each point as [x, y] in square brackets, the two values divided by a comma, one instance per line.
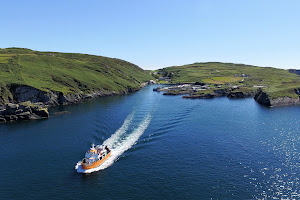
[276, 82]
[66, 72]
[222, 80]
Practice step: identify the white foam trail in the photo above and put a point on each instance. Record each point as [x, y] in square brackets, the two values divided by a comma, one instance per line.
[114, 138]
[120, 145]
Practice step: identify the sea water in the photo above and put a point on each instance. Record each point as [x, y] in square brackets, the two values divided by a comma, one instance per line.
[163, 147]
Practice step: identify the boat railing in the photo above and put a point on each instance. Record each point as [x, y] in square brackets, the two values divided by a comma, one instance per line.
[84, 161]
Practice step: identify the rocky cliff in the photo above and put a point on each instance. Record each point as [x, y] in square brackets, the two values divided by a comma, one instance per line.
[54, 78]
[23, 93]
[233, 94]
[263, 98]
[31, 103]
[24, 111]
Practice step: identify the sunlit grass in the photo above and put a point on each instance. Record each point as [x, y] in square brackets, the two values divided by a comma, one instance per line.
[66, 72]
[276, 82]
[221, 80]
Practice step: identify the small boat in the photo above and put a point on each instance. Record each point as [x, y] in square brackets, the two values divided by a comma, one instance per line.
[95, 156]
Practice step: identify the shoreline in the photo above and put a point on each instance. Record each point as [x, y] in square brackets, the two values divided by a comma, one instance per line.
[28, 110]
[261, 97]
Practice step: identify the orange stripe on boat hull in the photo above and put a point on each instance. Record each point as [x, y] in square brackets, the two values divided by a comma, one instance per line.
[97, 163]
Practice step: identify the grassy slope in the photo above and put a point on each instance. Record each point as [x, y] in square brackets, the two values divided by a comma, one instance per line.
[279, 82]
[66, 72]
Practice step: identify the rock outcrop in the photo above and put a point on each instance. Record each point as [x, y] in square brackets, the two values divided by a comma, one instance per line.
[285, 101]
[221, 92]
[25, 111]
[22, 93]
[178, 92]
[215, 93]
[200, 96]
[236, 95]
[240, 94]
[263, 98]
[31, 103]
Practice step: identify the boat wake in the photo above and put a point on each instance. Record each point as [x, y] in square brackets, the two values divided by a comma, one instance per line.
[122, 140]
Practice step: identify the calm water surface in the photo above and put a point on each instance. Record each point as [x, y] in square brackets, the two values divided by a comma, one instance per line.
[166, 148]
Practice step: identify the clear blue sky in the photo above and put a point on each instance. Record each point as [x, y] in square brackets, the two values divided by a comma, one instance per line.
[159, 33]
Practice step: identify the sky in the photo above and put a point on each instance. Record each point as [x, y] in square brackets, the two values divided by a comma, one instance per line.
[159, 33]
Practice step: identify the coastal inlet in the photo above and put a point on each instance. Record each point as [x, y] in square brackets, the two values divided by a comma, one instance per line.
[162, 147]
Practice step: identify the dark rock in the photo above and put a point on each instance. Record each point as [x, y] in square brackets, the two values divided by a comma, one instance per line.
[34, 100]
[14, 117]
[297, 91]
[11, 108]
[24, 93]
[236, 95]
[22, 118]
[199, 83]
[42, 112]
[177, 92]
[21, 106]
[34, 116]
[221, 92]
[240, 94]
[6, 117]
[27, 108]
[61, 98]
[88, 96]
[129, 90]
[156, 89]
[262, 98]
[2, 119]
[10, 117]
[200, 96]
[2, 112]
[171, 93]
[19, 111]
[68, 99]
[24, 114]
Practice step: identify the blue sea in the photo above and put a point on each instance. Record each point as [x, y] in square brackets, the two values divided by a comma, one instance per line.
[164, 147]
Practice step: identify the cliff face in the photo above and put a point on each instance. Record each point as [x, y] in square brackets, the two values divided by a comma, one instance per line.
[24, 93]
[263, 98]
[24, 111]
[31, 103]
[53, 78]
[284, 101]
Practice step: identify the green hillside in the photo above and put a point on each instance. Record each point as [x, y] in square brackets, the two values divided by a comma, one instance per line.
[66, 72]
[276, 82]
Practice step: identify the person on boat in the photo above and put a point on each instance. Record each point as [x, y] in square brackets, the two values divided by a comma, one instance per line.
[107, 149]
